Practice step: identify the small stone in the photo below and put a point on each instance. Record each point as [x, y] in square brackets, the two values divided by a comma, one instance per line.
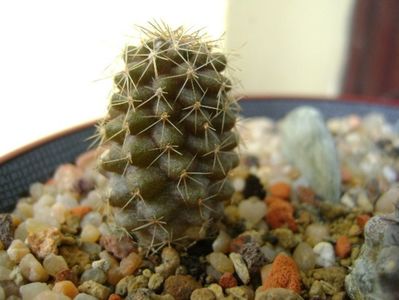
[66, 287]
[44, 242]
[240, 267]
[307, 142]
[343, 247]
[241, 292]
[74, 256]
[130, 264]
[220, 262]
[136, 282]
[277, 294]
[202, 294]
[101, 264]
[2, 294]
[170, 261]
[253, 256]
[252, 211]
[325, 256]
[265, 271]
[94, 218]
[17, 250]
[316, 233]
[227, 280]
[354, 230]
[217, 290]
[286, 238]
[80, 211]
[36, 190]
[66, 274]
[386, 203]
[50, 295]
[30, 290]
[95, 289]
[32, 270]
[94, 274]
[155, 281]
[54, 263]
[5, 260]
[361, 220]
[280, 189]
[222, 242]
[316, 290]
[304, 257]
[84, 296]
[66, 176]
[89, 233]
[6, 230]
[180, 286]
[120, 247]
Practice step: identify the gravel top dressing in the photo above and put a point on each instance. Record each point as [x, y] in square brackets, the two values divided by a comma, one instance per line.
[312, 221]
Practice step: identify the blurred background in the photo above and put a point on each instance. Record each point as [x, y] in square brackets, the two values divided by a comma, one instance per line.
[57, 57]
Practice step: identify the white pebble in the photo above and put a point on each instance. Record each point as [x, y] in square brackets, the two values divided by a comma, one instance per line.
[220, 262]
[240, 267]
[4, 273]
[67, 200]
[386, 203]
[347, 201]
[325, 256]
[90, 233]
[17, 250]
[31, 269]
[222, 242]
[59, 212]
[252, 210]
[83, 296]
[93, 218]
[389, 173]
[31, 290]
[238, 184]
[50, 295]
[45, 200]
[54, 263]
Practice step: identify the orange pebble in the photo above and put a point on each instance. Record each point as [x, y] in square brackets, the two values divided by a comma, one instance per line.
[284, 274]
[114, 297]
[343, 247]
[130, 264]
[281, 213]
[80, 211]
[66, 287]
[361, 220]
[227, 280]
[280, 189]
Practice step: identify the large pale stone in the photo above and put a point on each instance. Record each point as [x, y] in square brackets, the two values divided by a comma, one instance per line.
[308, 144]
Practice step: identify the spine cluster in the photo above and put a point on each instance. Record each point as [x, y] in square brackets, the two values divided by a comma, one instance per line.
[170, 138]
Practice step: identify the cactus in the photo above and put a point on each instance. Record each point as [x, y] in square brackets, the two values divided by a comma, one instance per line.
[169, 137]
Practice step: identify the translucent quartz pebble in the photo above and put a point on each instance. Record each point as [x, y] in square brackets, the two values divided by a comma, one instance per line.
[307, 142]
[54, 263]
[17, 250]
[31, 269]
[31, 290]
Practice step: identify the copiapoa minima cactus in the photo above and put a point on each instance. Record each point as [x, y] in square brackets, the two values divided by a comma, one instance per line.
[169, 138]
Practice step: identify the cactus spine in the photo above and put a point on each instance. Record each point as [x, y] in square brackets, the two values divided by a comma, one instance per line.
[170, 138]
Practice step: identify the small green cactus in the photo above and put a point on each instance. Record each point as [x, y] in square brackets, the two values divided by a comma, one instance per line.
[170, 138]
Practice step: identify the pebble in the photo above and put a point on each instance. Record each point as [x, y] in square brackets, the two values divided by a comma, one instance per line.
[285, 237]
[94, 274]
[44, 242]
[17, 250]
[316, 233]
[101, 264]
[277, 294]
[265, 271]
[30, 290]
[90, 233]
[227, 280]
[240, 292]
[74, 256]
[66, 287]
[386, 203]
[32, 270]
[222, 242]
[5, 260]
[54, 263]
[240, 267]
[220, 262]
[95, 289]
[304, 257]
[155, 281]
[120, 247]
[130, 264]
[170, 262]
[84, 296]
[202, 294]
[2, 294]
[50, 295]
[180, 286]
[343, 247]
[324, 253]
[6, 230]
[252, 211]
[253, 256]
[93, 218]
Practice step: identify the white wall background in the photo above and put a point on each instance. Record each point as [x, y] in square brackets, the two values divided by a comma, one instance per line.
[290, 47]
[54, 54]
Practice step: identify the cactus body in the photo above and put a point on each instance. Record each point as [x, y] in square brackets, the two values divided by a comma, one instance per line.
[169, 137]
